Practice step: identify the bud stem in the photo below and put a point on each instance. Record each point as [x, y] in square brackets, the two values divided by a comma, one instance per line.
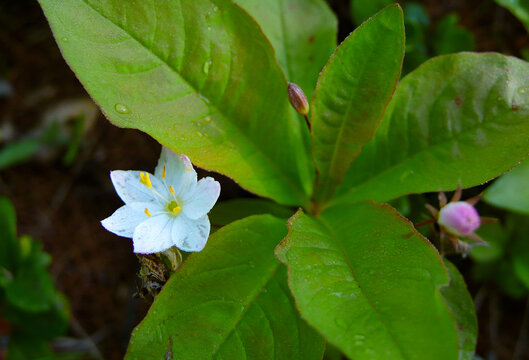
[307, 121]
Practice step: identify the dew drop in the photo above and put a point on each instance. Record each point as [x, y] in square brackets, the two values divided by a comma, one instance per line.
[206, 100]
[207, 119]
[523, 90]
[341, 323]
[65, 39]
[122, 109]
[359, 339]
[199, 134]
[206, 67]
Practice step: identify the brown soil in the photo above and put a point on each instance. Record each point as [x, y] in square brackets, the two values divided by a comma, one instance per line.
[62, 205]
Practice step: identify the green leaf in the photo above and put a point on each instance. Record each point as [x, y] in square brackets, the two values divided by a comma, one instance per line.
[510, 191]
[230, 301]
[520, 9]
[198, 76]
[496, 237]
[365, 279]
[520, 247]
[228, 211]
[460, 118]
[9, 247]
[449, 37]
[32, 288]
[352, 94]
[363, 9]
[461, 304]
[302, 32]
[21, 348]
[18, 152]
[42, 325]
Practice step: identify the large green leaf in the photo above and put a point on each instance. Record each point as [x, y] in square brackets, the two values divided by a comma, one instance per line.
[511, 190]
[197, 75]
[462, 306]
[230, 301]
[352, 94]
[520, 8]
[460, 118]
[302, 32]
[370, 283]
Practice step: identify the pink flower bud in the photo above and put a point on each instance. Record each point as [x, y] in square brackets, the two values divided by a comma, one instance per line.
[459, 218]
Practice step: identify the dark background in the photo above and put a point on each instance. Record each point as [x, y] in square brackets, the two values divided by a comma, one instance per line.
[62, 205]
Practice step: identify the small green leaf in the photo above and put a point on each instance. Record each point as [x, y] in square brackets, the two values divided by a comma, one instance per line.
[450, 38]
[460, 118]
[18, 152]
[302, 32]
[510, 191]
[31, 288]
[198, 76]
[496, 237]
[230, 301]
[9, 246]
[363, 9]
[520, 247]
[365, 279]
[352, 94]
[461, 304]
[42, 325]
[22, 348]
[228, 211]
[520, 9]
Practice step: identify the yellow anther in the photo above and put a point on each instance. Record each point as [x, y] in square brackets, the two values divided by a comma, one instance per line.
[176, 210]
[188, 168]
[145, 180]
[173, 207]
[171, 189]
[147, 212]
[163, 172]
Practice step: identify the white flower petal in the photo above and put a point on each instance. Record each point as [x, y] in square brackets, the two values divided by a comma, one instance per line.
[179, 171]
[200, 201]
[124, 220]
[153, 235]
[130, 189]
[190, 235]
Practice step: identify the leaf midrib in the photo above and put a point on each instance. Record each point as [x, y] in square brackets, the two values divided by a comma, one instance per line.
[332, 174]
[249, 304]
[457, 137]
[379, 315]
[272, 164]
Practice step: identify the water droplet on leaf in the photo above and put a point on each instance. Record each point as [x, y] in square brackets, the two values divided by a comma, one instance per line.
[206, 67]
[122, 109]
[341, 323]
[207, 119]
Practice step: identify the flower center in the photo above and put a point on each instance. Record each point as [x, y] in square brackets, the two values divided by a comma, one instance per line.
[173, 207]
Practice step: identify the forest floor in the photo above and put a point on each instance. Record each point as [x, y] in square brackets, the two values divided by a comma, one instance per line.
[62, 205]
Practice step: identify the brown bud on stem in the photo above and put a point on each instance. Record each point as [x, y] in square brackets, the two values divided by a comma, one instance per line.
[298, 99]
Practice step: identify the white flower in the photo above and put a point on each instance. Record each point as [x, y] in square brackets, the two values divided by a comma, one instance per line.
[166, 209]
